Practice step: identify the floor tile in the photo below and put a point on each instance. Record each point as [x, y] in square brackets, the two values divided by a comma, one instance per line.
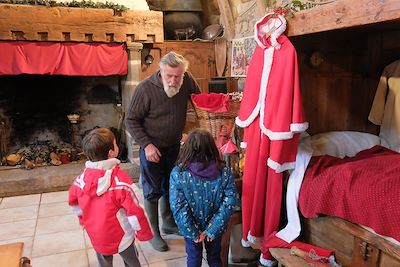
[53, 197]
[53, 237]
[20, 201]
[117, 260]
[57, 224]
[68, 259]
[20, 229]
[142, 259]
[44, 245]
[88, 243]
[176, 249]
[54, 209]
[91, 257]
[18, 214]
[180, 262]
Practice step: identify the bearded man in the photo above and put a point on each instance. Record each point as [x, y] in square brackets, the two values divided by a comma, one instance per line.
[156, 118]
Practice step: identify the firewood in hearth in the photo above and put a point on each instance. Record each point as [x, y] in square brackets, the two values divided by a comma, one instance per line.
[13, 159]
[55, 160]
[29, 164]
[39, 161]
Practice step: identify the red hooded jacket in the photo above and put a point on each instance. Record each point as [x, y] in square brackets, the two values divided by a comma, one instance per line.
[107, 207]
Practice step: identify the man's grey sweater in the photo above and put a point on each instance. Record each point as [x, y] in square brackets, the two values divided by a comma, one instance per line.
[155, 118]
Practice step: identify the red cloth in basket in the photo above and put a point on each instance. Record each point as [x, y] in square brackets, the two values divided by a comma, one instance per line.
[211, 102]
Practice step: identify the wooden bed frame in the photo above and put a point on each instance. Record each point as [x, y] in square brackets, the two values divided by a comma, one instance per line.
[357, 40]
[353, 244]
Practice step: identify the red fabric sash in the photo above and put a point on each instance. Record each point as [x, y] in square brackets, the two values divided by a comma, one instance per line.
[74, 59]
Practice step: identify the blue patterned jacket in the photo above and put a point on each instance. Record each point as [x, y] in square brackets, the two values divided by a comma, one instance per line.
[200, 204]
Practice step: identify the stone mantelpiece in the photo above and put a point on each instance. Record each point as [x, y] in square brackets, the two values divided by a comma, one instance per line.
[40, 23]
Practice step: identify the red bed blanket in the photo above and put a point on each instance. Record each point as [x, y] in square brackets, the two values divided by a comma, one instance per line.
[364, 189]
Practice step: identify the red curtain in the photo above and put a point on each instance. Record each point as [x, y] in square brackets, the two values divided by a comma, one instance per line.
[73, 59]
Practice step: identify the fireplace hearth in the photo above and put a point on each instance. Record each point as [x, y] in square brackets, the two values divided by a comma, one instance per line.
[35, 113]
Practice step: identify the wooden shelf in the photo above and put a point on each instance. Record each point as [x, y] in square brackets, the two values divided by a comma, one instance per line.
[342, 14]
[41, 23]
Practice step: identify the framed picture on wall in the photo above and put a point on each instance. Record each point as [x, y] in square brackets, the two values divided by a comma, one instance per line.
[242, 51]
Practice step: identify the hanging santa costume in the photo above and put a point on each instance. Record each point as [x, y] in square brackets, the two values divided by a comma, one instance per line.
[272, 116]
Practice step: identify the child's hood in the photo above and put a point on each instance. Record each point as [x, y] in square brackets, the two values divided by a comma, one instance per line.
[204, 170]
[98, 174]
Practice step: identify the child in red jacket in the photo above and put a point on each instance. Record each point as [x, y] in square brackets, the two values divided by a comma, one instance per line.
[104, 200]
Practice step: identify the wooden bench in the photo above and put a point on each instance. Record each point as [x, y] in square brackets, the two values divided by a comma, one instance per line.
[11, 255]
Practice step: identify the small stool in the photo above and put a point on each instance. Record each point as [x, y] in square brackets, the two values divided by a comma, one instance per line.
[11, 255]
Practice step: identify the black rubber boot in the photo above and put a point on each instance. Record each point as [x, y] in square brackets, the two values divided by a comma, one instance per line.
[169, 225]
[152, 213]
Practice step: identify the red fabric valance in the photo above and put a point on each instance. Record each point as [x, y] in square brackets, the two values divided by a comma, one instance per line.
[73, 59]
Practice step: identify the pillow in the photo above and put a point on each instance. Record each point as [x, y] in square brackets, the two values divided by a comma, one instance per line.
[342, 143]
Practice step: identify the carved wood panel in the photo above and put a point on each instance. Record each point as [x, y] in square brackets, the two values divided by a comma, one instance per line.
[201, 57]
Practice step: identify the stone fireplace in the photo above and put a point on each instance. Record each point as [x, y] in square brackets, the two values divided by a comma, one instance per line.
[34, 108]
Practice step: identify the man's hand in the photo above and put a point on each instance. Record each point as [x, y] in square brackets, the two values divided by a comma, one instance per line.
[152, 153]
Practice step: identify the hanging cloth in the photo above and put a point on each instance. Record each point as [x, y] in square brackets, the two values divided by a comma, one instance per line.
[72, 59]
[385, 110]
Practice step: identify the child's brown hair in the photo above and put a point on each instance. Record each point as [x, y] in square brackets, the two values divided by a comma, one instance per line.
[199, 147]
[97, 143]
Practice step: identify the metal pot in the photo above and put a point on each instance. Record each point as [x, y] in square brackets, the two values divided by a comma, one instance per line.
[182, 20]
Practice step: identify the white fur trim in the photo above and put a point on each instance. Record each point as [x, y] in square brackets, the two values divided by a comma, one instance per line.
[280, 167]
[259, 108]
[245, 244]
[277, 135]
[77, 210]
[253, 239]
[134, 222]
[278, 32]
[268, 24]
[266, 262]
[250, 119]
[299, 127]
[243, 145]
[255, 35]
[268, 58]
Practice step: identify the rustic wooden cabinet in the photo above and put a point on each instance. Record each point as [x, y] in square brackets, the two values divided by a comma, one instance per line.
[201, 57]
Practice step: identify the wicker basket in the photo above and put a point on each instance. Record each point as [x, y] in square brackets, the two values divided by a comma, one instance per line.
[213, 121]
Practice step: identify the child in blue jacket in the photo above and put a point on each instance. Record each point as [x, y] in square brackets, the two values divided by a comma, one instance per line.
[203, 197]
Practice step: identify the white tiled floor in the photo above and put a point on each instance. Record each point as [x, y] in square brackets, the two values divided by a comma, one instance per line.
[52, 235]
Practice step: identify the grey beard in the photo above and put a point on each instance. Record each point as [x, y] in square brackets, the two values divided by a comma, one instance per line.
[171, 90]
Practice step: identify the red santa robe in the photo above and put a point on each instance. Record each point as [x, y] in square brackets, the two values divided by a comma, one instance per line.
[272, 116]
